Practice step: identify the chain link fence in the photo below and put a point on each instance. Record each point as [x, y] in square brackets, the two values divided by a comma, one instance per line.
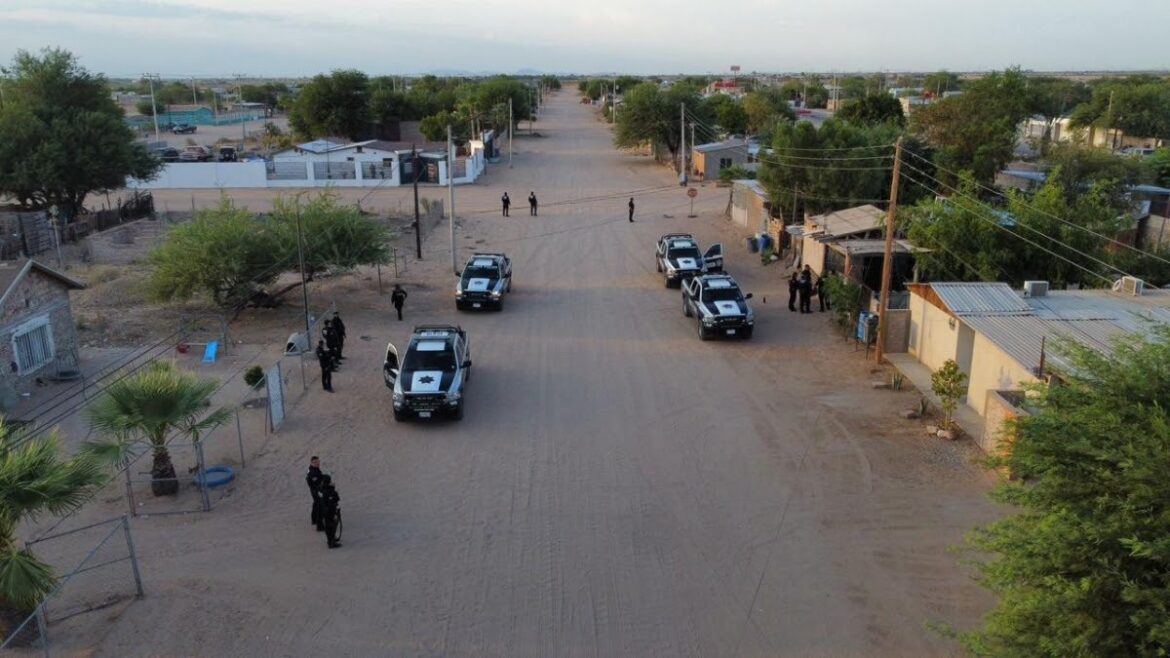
[103, 572]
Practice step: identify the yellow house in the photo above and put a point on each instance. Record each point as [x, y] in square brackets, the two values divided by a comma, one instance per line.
[1004, 339]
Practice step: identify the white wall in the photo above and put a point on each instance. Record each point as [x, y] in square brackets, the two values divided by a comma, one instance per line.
[932, 339]
[992, 370]
[206, 175]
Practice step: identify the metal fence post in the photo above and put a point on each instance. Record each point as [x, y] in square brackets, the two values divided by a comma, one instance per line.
[43, 629]
[240, 439]
[130, 491]
[202, 471]
[133, 555]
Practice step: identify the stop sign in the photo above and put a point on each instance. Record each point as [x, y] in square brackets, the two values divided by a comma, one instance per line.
[692, 192]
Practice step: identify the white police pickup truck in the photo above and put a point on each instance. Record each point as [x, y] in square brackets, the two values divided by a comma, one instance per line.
[483, 282]
[678, 258]
[429, 379]
[718, 305]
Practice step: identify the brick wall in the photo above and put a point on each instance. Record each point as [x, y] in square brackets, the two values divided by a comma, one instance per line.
[35, 296]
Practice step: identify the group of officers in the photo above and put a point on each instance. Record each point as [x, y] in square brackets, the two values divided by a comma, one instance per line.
[326, 515]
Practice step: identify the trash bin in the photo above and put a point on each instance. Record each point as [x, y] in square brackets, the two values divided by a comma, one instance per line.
[765, 242]
[753, 244]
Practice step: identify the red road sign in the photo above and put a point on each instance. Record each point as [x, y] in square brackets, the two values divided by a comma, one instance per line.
[692, 192]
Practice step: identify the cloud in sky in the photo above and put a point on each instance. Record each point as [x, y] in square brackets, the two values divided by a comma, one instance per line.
[297, 37]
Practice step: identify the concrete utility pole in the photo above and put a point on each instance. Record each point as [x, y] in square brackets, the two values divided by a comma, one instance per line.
[417, 221]
[888, 260]
[153, 107]
[451, 197]
[682, 141]
[511, 122]
[194, 96]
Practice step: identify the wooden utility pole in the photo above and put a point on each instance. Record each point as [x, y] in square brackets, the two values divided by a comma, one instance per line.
[451, 197]
[888, 260]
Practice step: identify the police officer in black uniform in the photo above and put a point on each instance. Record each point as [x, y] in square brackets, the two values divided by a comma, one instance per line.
[398, 298]
[331, 343]
[339, 328]
[331, 508]
[314, 478]
[326, 361]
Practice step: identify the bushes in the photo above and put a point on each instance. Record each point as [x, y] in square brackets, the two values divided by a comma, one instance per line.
[847, 297]
[254, 376]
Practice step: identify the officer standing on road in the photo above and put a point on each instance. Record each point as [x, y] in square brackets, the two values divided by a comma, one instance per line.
[806, 290]
[532, 203]
[822, 296]
[506, 203]
[326, 361]
[339, 327]
[631, 210]
[793, 289]
[331, 508]
[330, 336]
[398, 297]
[313, 478]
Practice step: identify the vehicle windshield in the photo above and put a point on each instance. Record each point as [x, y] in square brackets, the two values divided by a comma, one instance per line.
[426, 360]
[683, 252]
[480, 273]
[721, 295]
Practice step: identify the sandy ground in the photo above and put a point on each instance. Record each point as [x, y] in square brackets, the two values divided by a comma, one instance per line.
[617, 488]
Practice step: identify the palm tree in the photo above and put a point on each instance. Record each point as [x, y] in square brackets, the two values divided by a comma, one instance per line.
[34, 479]
[147, 408]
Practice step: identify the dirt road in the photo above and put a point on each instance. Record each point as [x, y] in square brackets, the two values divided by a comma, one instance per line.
[618, 488]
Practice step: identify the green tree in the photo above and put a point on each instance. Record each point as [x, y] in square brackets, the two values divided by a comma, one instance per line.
[145, 409]
[35, 479]
[855, 86]
[1083, 568]
[765, 108]
[62, 137]
[225, 253]
[949, 384]
[875, 109]
[976, 131]
[268, 93]
[1139, 106]
[941, 82]
[651, 114]
[829, 178]
[729, 113]
[551, 82]
[1159, 166]
[333, 105]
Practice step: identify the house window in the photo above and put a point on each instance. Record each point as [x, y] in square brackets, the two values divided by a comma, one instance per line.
[33, 345]
[724, 163]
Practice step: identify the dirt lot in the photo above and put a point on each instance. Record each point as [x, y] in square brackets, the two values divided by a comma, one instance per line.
[617, 488]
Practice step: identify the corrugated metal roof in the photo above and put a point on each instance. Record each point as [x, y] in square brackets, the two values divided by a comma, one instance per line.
[865, 247]
[851, 221]
[722, 146]
[1090, 317]
[754, 185]
[981, 298]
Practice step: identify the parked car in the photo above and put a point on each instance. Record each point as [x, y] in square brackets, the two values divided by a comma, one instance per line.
[228, 154]
[195, 154]
[483, 282]
[183, 129]
[167, 154]
[678, 258]
[719, 306]
[428, 381]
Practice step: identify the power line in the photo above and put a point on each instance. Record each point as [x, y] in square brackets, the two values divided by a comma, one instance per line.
[1048, 214]
[1024, 225]
[996, 223]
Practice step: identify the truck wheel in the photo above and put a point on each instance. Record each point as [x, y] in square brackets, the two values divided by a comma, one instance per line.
[400, 416]
[686, 309]
[703, 335]
[747, 333]
[458, 415]
[666, 282]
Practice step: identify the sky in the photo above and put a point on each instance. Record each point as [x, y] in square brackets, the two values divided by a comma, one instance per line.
[295, 38]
